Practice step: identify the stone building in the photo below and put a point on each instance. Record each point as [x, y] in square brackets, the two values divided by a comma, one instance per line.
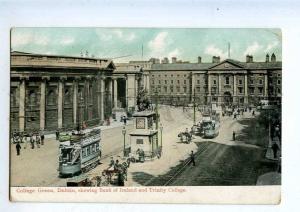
[224, 82]
[50, 92]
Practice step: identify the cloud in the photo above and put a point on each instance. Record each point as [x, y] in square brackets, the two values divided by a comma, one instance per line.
[271, 46]
[252, 49]
[175, 53]
[67, 41]
[25, 38]
[214, 51]
[159, 45]
[108, 35]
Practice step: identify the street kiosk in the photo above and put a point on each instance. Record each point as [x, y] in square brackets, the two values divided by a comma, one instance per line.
[144, 138]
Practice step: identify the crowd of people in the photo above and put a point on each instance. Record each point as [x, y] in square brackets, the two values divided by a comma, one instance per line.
[34, 139]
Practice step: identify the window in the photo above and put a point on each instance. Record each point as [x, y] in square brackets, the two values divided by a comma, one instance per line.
[260, 82]
[178, 81]
[240, 82]
[171, 75]
[88, 151]
[227, 80]
[139, 141]
[198, 81]
[178, 75]
[251, 81]
[158, 81]
[171, 81]
[159, 75]
[198, 89]
[279, 82]
[165, 88]
[166, 82]
[279, 75]
[184, 75]
[32, 97]
[166, 75]
[184, 82]
[260, 90]
[67, 97]
[51, 97]
[270, 81]
[171, 89]
[184, 89]
[251, 90]
[240, 90]
[278, 91]
[215, 82]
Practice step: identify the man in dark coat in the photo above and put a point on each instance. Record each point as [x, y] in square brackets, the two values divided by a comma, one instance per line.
[193, 158]
[18, 147]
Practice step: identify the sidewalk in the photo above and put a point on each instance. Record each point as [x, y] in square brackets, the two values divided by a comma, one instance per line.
[113, 124]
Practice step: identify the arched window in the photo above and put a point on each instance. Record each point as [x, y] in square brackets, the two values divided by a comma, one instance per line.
[51, 97]
[32, 97]
[67, 96]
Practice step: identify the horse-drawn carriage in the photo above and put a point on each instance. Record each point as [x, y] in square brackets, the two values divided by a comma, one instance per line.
[185, 137]
[116, 173]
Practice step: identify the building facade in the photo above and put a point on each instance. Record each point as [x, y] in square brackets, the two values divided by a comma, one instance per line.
[50, 92]
[227, 82]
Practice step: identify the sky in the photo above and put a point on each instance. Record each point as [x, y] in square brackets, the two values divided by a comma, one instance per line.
[127, 44]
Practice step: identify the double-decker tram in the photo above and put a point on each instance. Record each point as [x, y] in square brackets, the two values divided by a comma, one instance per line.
[79, 152]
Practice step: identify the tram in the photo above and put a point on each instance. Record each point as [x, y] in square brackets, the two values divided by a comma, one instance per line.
[79, 152]
[211, 128]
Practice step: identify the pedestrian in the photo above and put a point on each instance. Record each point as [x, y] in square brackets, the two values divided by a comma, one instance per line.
[275, 149]
[18, 148]
[192, 159]
[253, 113]
[42, 138]
[233, 135]
[31, 141]
[57, 134]
[234, 116]
[125, 120]
[37, 140]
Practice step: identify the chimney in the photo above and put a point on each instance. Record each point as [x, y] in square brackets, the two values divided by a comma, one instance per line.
[215, 59]
[249, 58]
[165, 60]
[273, 58]
[174, 59]
[267, 58]
[199, 59]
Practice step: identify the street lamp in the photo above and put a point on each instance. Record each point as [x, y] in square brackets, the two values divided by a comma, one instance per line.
[124, 133]
[161, 129]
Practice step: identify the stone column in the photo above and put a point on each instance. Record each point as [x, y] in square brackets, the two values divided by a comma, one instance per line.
[193, 88]
[22, 89]
[75, 101]
[87, 98]
[266, 86]
[126, 91]
[115, 93]
[130, 90]
[60, 102]
[43, 104]
[219, 89]
[102, 90]
[209, 89]
[136, 89]
[234, 89]
[246, 89]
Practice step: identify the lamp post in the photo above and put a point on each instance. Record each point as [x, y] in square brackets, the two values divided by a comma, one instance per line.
[161, 129]
[124, 133]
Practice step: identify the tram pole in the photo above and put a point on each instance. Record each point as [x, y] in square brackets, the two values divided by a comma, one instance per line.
[156, 109]
[194, 105]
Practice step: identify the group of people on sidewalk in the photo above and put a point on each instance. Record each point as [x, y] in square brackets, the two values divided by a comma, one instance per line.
[34, 138]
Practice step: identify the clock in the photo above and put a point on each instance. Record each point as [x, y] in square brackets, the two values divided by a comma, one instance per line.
[140, 123]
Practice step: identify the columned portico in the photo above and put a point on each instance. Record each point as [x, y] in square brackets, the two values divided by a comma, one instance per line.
[234, 89]
[75, 101]
[102, 90]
